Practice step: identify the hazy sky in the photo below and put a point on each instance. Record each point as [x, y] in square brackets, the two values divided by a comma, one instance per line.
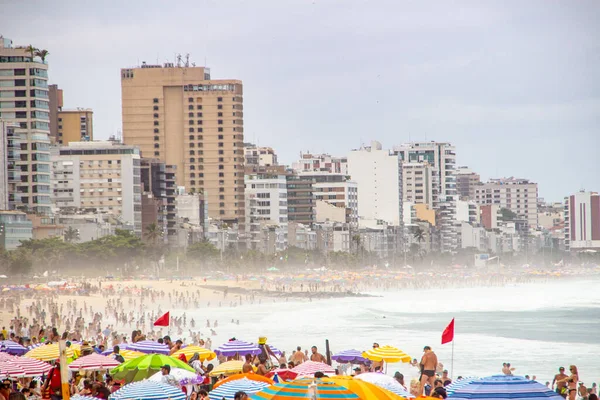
[515, 85]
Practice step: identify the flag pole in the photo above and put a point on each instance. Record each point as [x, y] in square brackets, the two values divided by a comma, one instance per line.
[452, 362]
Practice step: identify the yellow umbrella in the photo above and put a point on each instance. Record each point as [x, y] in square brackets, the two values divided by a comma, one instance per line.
[228, 368]
[364, 390]
[189, 352]
[388, 354]
[50, 352]
[129, 354]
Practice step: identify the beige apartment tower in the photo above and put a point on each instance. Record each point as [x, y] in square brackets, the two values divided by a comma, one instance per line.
[182, 117]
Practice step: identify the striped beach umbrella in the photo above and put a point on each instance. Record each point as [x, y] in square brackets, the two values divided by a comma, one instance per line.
[50, 352]
[285, 374]
[309, 368]
[128, 354]
[227, 390]
[304, 388]
[10, 347]
[149, 347]
[237, 347]
[365, 390]
[505, 387]
[22, 367]
[460, 383]
[146, 366]
[251, 376]
[384, 381]
[80, 397]
[389, 354]
[93, 362]
[122, 346]
[148, 390]
[6, 356]
[189, 351]
[350, 356]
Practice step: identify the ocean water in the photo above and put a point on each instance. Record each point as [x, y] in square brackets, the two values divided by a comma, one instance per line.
[536, 327]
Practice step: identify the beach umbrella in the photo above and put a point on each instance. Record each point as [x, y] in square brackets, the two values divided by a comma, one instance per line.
[149, 347]
[385, 382]
[80, 397]
[93, 362]
[227, 390]
[109, 351]
[460, 383]
[304, 388]
[6, 356]
[237, 347]
[308, 368]
[285, 374]
[10, 347]
[21, 367]
[146, 366]
[365, 390]
[251, 376]
[50, 352]
[389, 354]
[228, 368]
[189, 351]
[177, 373]
[505, 387]
[128, 354]
[349, 356]
[148, 390]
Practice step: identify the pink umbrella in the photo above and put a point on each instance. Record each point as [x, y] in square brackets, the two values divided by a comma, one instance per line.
[93, 362]
[6, 356]
[285, 374]
[21, 367]
[309, 368]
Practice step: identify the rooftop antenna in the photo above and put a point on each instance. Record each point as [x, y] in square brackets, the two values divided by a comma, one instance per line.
[179, 60]
[187, 60]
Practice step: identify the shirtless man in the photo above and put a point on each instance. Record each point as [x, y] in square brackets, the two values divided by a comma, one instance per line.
[560, 385]
[247, 367]
[316, 356]
[299, 357]
[262, 367]
[428, 364]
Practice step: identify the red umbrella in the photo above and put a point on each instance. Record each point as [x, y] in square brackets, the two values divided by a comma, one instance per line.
[93, 362]
[22, 367]
[285, 374]
[309, 368]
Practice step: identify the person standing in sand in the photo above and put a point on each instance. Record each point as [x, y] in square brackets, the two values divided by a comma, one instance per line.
[428, 364]
[571, 382]
[561, 386]
[316, 356]
[298, 357]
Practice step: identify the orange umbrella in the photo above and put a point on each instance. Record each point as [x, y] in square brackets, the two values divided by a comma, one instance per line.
[251, 376]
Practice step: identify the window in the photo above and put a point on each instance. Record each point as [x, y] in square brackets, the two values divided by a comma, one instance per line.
[156, 153]
[222, 212]
[191, 115]
[155, 115]
[221, 175]
[192, 153]
[192, 168]
[220, 144]
[219, 99]
[221, 152]
[201, 174]
[192, 175]
[190, 107]
[221, 204]
[220, 129]
[220, 122]
[155, 123]
[192, 182]
[191, 130]
[221, 159]
[220, 137]
[191, 137]
[221, 190]
[155, 108]
[221, 166]
[199, 122]
[220, 114]
[199, 115]
[155, 100]
[220, 107]
[199, 107]
[155, 130]
[156, 138]
[156, 145]
[200, 130]
[191, 122]
[192, 160]
[191, 99]
[200, 137]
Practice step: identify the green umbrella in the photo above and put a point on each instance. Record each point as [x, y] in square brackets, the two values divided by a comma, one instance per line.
[146, 366]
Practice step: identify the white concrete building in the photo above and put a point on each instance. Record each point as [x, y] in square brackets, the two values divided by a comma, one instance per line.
[378, 175]
[517, 195]
[321, 163]
[467, 211]
[260, 156]
[101, 177]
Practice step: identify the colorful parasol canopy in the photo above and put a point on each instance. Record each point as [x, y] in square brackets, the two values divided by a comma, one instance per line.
[505, 387]
[305, 388]
[93, 362]
[21, 367]
[189, 351]
[228, 368]
[460, 383]
[250, 376]
[149, 347]
[309, 368]
[386, 382]
[285, 374]
[364, 389]
[148, 390]
[50, 352]
[146, 366]
[350, 356]
[10, 347]
[227, 390]
[388, 354]
[237, 347]
[177, 373]
[129, 354]
[6, 356]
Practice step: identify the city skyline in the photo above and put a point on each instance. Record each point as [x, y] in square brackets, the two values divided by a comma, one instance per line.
[319, 74]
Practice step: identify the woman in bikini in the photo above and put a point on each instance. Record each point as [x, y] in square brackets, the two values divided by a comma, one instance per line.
[572, 382]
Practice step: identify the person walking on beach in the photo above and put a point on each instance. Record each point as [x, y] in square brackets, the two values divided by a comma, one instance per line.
[561, 386]
[428, 365]
[316, 356]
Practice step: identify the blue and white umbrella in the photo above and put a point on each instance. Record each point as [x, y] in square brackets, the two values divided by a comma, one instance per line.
[80, 397]
[228, 389]
[460, 383]
[505, 387]
[149, 347]
[10, 347]
[148, 390]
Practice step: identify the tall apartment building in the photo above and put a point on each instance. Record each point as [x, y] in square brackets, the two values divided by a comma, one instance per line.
[182, 117]
[301, 202]
[442, 158]
[55, 99]
[321, 162]
[335, 197]
[101, 177]
[517, 195]
[24, 101]
[582, 221]
[75, 125]
[259, 156]
[419, 183]
[158, 179]
[378, 175]
[466, 182]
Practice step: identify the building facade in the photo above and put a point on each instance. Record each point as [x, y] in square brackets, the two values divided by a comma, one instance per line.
[55, 101]
[24, 101]
[582, 221]
[466, 182]
[301, 202]
[321, 163]
[158, 179]
[517, 195]
[419, 183]
[259, 156]
[14, 227]
[100, 177]
[333, 190]
[180, 116]
[75, 125]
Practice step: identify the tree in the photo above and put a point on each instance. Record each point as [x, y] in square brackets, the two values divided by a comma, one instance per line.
[71, 235]
[356, 240]
[202, 251]
[507, 215]
[42, 54]
[153, 232]
[20, 262]
[31, 50]
[418, 234]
